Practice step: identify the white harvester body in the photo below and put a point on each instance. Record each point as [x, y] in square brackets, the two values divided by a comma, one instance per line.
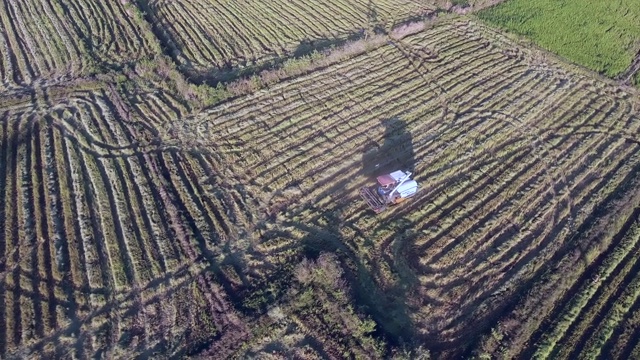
[391, 189]
[407, 189]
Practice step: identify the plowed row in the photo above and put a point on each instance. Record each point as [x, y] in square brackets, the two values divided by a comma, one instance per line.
[214, 34]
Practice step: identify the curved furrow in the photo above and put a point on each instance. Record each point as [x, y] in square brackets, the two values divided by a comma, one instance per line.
[18, 51]
[232, 34]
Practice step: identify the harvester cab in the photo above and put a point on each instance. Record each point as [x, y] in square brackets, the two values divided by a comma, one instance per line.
[391, 189]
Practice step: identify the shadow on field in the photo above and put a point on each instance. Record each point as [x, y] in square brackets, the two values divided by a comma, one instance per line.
[325, 233]
[395, 152]
[306, 47]
[386, 306]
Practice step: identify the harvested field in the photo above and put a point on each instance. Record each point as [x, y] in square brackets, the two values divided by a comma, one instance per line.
[105, 244]
[61, 40]
[221, 35]
[515, 153]
[599, 316]
[135, 226]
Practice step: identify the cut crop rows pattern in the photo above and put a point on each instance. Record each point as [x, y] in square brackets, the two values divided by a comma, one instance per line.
[59, 39]
[601, 317]
[112, 30]
[108, 242]
[143, 228]
[225, 34]
[514, 154]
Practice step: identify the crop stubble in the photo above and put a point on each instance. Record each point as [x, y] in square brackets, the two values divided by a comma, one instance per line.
[213, 34]
[513, 154]
[50, 41]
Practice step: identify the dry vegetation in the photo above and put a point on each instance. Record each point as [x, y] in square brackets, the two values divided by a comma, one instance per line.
[517, 156]
[65, 39]
[213, 35]
[133, 223]
[102, 251]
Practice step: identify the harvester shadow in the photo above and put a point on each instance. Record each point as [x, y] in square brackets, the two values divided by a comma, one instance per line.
[395, 153]
[324, 233]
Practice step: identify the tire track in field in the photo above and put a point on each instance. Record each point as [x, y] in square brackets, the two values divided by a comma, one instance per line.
[548, 209]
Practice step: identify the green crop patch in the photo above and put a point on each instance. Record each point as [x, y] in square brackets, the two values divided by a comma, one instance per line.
[601, 35]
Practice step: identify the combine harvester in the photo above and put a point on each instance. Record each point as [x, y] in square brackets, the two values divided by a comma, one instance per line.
[392, 188]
